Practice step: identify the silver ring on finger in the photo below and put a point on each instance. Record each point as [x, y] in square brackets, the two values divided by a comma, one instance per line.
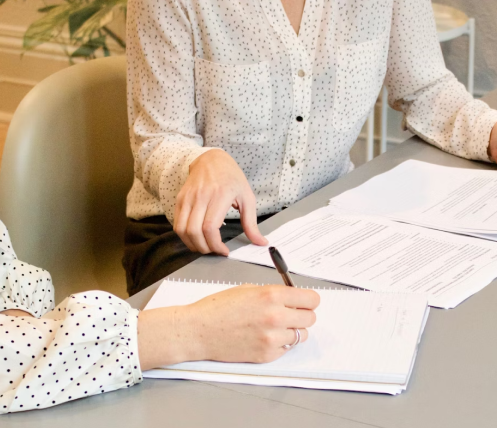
[297, 340]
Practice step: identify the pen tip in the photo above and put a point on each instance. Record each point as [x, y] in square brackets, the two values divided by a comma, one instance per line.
[272, 250]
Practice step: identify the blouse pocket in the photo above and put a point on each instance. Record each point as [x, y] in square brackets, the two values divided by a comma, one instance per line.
[360, 73]
[234, 102]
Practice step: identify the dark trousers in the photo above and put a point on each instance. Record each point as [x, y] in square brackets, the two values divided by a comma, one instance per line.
[152, 250]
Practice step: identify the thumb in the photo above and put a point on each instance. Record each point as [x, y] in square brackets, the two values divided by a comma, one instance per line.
[248, 219]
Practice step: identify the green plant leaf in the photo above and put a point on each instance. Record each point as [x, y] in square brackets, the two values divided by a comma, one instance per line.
[106, 50]
[80, 16]
[89, 48]
[47, 8]
[2, 2]
[47, 27]
[95, 22]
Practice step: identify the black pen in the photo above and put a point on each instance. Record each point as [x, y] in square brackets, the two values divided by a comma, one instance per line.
[281, 266]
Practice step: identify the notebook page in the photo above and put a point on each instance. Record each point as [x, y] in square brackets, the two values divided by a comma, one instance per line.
[383, 388]
[358, 336]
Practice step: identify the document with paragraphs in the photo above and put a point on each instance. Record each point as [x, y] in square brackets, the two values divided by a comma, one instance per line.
[362, 341]
[379, 254]
[451, 199]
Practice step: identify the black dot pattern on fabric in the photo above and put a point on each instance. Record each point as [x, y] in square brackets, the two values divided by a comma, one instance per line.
[233, 75]
[85, 346]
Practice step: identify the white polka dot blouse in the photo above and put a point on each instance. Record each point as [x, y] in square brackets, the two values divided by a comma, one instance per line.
[234, 75]
[85, 346]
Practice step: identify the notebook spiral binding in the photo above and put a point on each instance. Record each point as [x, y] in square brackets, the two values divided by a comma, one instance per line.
[234, 284]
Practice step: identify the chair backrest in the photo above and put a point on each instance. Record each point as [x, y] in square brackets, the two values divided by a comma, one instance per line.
[66, 169]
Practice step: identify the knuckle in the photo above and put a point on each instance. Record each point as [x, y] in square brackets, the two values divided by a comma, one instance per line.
[267, 341]
[271, 320]
[191, 231]
[200, 195]
[208, 227]
[270, 295]
[180, 196]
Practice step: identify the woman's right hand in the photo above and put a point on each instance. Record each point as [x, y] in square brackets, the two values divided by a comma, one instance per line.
[247, 323]
[215, 184]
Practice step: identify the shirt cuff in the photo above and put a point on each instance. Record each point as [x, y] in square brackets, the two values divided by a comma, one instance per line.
[133, 346]
[481, 139]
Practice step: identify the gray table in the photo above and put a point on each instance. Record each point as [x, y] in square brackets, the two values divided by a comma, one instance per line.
[454, 383]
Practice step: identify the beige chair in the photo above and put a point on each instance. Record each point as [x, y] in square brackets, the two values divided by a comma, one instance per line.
[65, 172]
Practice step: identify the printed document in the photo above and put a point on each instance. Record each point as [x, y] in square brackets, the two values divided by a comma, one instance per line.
[379, 254]
[452, 199]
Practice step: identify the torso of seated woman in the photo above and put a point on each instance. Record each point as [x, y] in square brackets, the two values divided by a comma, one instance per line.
[294, 10]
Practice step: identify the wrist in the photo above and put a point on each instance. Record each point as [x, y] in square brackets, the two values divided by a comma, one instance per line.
[209, 156]
[166, 336]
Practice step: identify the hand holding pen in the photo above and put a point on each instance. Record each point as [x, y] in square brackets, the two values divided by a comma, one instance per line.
[281, 266]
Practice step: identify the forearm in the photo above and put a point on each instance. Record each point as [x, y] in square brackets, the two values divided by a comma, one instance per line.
[436, 106]
[446, 115]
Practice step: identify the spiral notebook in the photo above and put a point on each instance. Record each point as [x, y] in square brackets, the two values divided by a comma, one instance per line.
[362, 341]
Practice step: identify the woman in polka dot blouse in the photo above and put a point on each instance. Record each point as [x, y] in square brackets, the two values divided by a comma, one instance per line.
[94, 342]
[238, 109]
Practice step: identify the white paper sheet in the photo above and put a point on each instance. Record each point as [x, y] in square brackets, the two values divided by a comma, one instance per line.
[359, 338]
[378, 254]
[451, 199]
[383, 388]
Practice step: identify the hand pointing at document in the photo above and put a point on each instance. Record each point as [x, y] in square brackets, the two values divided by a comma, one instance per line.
[215, 184]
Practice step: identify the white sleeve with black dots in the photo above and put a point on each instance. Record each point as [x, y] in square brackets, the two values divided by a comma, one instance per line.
[436, 106]
[22, 286]
[85, 346]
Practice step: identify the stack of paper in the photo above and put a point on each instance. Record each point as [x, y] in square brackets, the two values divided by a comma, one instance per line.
[361, 341]
[451, 199]
[379, 254]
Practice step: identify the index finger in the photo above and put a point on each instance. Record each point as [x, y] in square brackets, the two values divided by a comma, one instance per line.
[214, 217]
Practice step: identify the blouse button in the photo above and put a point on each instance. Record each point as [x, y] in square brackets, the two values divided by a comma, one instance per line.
[292, 162]
[301, 73]
[300, 119]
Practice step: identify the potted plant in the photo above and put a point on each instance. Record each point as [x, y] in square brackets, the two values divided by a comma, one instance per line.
[83, 24]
